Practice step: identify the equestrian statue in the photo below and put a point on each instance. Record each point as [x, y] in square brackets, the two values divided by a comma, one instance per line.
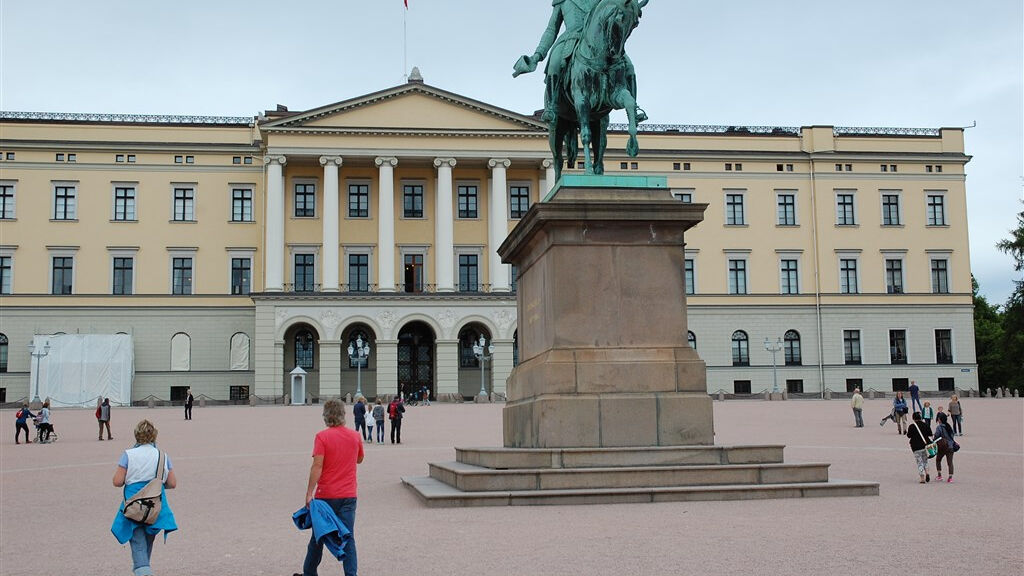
[588, 75]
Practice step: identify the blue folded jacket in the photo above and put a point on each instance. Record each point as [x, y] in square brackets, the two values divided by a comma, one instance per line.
[327, 527]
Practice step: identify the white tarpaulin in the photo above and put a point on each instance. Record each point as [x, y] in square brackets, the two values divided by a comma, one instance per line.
[81, 367]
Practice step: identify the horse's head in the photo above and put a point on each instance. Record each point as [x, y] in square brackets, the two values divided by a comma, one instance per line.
[611, 22]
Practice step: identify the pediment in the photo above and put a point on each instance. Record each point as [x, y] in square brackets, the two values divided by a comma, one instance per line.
[409, 108]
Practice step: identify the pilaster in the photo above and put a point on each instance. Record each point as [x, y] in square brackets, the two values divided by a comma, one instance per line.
[497, 229]
[386, 227]
[274, 241]
[331, 233]
[444, 243]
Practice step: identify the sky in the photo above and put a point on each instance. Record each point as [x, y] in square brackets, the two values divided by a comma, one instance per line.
[907, 63]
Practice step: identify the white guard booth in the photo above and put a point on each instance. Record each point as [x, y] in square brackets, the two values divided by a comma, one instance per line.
[82, 367]
[298, 386]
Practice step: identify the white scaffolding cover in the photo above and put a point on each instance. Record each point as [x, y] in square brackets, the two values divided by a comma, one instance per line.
[81, 367]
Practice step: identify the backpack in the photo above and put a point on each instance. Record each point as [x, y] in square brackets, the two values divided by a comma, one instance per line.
[392, 410]
[99, 412]
[144, 506]
[20, 414]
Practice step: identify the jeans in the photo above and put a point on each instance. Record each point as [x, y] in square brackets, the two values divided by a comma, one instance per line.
[958, 424]
[142, 548]
[345, 510]
[380, 431]
[858, 417]
[361, 428]
[396, 430]
[18, 427]
[916, 401]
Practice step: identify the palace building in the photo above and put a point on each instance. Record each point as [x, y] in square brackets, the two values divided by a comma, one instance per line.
[234, 250]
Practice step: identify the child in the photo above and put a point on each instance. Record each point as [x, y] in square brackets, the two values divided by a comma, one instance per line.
[927, 413]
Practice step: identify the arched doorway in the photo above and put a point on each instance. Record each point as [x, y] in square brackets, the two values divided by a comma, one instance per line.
[469, 364]
[356, 373]
[302, 350]
[416, 359]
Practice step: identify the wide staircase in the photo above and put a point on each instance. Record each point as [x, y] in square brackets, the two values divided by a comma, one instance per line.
[569, 476]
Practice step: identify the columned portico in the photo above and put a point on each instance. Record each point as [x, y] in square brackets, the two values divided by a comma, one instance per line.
[331, 166]
[549, 178]
[444, 248]
[274, 248]
[386, 223]
[498, 228]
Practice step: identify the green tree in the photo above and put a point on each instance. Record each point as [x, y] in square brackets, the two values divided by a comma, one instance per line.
[989, 340]
[1013, 312]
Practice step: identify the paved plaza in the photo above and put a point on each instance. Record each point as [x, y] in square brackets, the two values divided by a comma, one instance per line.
[242, 472]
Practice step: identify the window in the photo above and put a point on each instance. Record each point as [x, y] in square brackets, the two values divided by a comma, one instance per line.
[305, 200]
[6, 269]
[789, 276]
[64, 202]
[728, 166]
[184, 204]
[181, 352]
[851, 346]
[684, 195]
[688, 275]
[123, 272]
[412, 201]
[940, 276]
[786, 209]
[468, 273]
[179, 159]
[241, 275]
[513, 277]
[10, 156]
[179, 393]
[131, 158]
[124, 203]
[944, 346]
[936, 210]
[900, 384]
[737, 276]
[241, 205]
[634, 165]
[623, 165]
[848, 276]
[239, 358]
[304, 349]
[118, 157]
[72, 157]
[236, 160]
[946, 384]
[779, 167]
[740, 349]
[358, 200]
[675, 165]
[190, 159]
[413, 268]
[245, 160]
[3, 352]
[854, 384]
[894, 276]
[845, 215]
[6, 201]
[691, 339]
[305, 272]
[519, 200]
[891, 210]
[795, 386]
[467, 201]
[63, 273]
[181, 275]
[734, 210]
[359, 272]
[897, 346]
[238, 393]
[791, 345]
[741, 386]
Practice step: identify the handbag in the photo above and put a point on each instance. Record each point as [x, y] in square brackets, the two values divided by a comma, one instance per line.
[932, 449]
[144, 506]
[956, 446]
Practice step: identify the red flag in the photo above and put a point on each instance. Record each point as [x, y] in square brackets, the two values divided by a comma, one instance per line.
[406, 4]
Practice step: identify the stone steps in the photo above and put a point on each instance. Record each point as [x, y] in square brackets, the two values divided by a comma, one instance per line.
[518, 458]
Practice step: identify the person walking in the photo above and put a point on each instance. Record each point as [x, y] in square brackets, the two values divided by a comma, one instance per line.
[378, 418]
[957, 412]
[104, 418]
[395, 411]
[359, 414]
[136, 467]
[189, 399]
[947, 446]
[857, 402]
[45, 426]
[20, 423]
[915, 397]
[899, 408]
[332, 479]
[919, 436]
[927, 414]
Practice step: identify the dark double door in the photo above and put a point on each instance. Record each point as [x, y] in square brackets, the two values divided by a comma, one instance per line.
[415, 360]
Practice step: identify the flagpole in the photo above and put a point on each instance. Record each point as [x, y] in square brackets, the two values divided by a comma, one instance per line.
[405, 43]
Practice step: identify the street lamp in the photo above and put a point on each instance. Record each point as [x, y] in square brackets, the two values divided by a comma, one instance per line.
[37, 354]
[359, 354]
[483, 353]
[773, 348]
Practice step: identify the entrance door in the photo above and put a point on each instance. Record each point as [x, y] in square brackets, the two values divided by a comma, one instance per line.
[415, 359]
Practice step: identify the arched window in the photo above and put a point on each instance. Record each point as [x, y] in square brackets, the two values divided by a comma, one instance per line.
[352, 339]
[181, 352]
[740, 349]
[691, 339]
[240, 351]
[304, 344]
[3, 353]
[792, 345]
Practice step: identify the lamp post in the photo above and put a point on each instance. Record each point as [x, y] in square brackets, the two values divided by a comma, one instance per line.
[483, 353]
[359, 354]
[773, 348]
[37, 354]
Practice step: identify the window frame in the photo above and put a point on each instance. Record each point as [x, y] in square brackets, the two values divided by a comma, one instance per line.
[792, 354]
[932, 219]
[182, 256]
[357, 286]
[116, 188]
[115, 254]
[467, 213]
[56, 186]
[846, 217]
[6, 278]
[844, 276]
[898, 336]
[889, 209]
[413, 190]
[740, 348]
[359, 197]
[684, 195]
[423, 252]
[731, 211]
[8, 202]
[949, 338]
[309, 197]
[515, 201]
[939, 285]
[890, 286]
[689, 275]
[250, 201]
[779, 206]
[476, 252]
[789, 257]
[733, 284]
[852, 356]
[188, 203]
[65, 254]
[310, 270]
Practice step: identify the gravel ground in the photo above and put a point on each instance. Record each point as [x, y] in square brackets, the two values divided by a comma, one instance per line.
[242, 472]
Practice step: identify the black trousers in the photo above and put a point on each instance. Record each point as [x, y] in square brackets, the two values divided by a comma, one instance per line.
[188, 411]
[396, 430]
[18, 427]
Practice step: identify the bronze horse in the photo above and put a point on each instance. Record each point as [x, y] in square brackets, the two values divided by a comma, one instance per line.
[600, 79]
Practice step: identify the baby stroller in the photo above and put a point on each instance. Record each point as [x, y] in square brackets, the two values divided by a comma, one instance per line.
[41, 429]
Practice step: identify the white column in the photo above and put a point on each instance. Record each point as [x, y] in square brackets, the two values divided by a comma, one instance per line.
[386, 224]
[549, 179]
[444, 223]
[331, 165]
[273, 247]
[498, 224]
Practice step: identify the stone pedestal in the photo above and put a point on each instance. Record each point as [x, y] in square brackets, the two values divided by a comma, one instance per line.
[602, 324]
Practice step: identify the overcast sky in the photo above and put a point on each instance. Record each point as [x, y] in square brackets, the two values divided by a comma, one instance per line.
[911, 63]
